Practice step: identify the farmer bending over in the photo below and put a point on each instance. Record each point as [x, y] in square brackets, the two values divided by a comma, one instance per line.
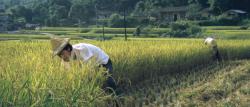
[83, 52]
[212, 43]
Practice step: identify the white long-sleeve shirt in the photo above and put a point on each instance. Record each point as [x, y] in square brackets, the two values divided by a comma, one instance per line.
[85, 52]
[210, 41]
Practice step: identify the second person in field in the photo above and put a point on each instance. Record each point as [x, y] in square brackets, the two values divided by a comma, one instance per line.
[211, 42]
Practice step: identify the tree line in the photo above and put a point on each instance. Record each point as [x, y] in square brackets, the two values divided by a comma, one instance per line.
[86, 12]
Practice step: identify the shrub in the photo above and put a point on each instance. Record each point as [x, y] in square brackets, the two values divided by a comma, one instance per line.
[84, 30]
[184, 29]
[245, 24]
[115, 21]
[221, 20]
[227, 20]
[131, 22]
[245, 27]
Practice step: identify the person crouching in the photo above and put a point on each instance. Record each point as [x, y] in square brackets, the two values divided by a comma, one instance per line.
[84, 52]
[212, 43]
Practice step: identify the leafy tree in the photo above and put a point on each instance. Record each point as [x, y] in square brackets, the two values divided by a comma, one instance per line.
[58, 10]
[139, 9]
[65, 3]
[70, 12]
[193, 11]
[184, 29]
[202, 3]
[21, 12]
[219, 6]
[40, 13]
[82, 11]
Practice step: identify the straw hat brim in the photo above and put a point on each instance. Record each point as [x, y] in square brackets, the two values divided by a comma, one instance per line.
[60, 48]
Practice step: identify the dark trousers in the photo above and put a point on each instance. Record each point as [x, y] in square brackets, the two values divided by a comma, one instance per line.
[110, 82]
[216, 54]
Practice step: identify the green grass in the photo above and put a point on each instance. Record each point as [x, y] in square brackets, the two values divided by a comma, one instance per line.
[222, 27]
[24, 36]
[221, 32]
[229, 34]
[114, 31]
[63, 29]
[32, 36]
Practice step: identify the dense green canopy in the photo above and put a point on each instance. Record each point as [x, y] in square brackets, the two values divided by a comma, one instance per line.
[85, 12]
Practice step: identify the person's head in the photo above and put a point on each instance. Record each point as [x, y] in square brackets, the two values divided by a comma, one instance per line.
[66, 52]
[210, 41]
[61, 47]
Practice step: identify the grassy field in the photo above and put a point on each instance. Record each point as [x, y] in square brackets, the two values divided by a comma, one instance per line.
[220, 32]
[31, 77]
[222, 27]
[229, 34]
[95, 32]
[150, 71]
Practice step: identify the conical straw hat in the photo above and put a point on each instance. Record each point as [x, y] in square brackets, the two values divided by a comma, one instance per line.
[58, 44]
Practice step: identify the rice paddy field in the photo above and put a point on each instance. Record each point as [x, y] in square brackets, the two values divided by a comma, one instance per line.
[150, 72]
[146, 71]
[220, 32]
